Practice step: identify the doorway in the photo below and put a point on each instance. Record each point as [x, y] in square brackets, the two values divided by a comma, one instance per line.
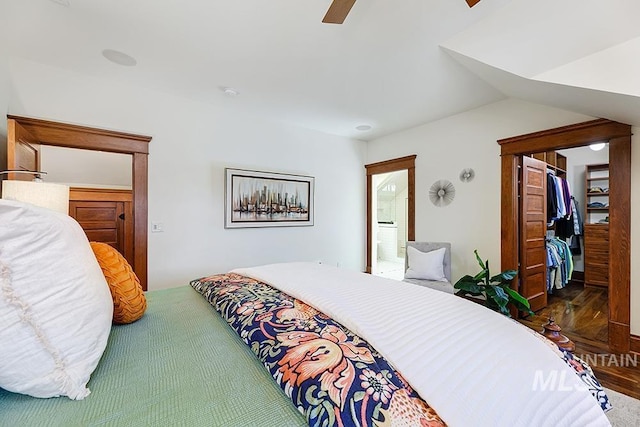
[618, 136]
[576, 279]
[390, 224]
[44, 132]
[389, 177]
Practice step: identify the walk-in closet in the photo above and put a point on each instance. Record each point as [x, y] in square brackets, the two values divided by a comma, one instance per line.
[576, 201]
[587, 290]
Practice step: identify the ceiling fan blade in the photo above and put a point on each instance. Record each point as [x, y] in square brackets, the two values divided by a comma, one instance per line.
[338, 11]
[472, 3]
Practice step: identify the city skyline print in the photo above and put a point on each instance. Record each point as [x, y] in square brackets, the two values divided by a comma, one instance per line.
[267, 199]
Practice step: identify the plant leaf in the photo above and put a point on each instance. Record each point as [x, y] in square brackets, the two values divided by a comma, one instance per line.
[504, 310]
[519, 301]
[462, 293]
[482, 265]
[505, 277]
[480, 277]
[465, 278]
[496, 290]
[471, 287]
[498, 295]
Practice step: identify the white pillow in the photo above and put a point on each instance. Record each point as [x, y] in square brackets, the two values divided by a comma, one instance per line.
[55, 304]
[425, 265]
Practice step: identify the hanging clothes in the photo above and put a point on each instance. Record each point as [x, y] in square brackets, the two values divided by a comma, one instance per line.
[576, 248]
[577, 219]
[558, 199]
[552, 204]
[559, 264]
[566, 191]
[562, 208]
[565, 227]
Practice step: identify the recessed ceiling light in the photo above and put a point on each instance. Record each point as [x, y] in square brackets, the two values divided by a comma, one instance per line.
[229, 91]
[64, 3]
[363, 128]
[597, 146]
[119, 58]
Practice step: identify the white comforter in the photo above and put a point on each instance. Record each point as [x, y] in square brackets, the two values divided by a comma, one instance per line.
[473, 366]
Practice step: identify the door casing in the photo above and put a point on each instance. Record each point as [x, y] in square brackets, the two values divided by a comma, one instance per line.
[393, 165]
[74, 136]
[619, 137]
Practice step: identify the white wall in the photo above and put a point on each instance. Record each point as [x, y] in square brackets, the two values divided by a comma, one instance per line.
[468, 139]
[192, 144]
[74, 166]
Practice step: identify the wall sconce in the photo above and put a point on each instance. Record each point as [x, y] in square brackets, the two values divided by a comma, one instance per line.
[36, 192]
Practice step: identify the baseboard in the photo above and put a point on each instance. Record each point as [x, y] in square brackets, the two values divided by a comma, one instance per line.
[577, 277]
[635, 343]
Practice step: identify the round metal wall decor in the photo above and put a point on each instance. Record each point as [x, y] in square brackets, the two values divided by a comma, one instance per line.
[442, 193]
[467, 175]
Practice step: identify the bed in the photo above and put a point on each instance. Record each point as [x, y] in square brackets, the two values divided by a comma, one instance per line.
[277, 345]
[180, 364]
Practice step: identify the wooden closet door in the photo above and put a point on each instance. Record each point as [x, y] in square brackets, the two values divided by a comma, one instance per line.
[106, 222]
[533, 230]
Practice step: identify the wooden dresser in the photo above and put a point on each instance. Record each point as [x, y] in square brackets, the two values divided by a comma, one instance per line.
[596, 254]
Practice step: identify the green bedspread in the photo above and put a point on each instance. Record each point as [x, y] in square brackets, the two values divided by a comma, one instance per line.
[181, 364]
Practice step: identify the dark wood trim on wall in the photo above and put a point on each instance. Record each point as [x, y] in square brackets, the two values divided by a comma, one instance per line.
[577, 135]
[509, 212]
[403, 163]
[75, 136]
[87, 138]
[635, 343]
[140, 166]
[581, 134]
[620, 241]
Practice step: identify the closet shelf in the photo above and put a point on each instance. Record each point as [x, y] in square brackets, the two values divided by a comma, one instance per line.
[596, 233]
[556, 162]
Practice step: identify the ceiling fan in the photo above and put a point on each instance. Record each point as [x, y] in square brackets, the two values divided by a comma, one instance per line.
[339, 10]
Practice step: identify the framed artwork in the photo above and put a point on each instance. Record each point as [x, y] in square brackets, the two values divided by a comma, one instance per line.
[266, 199]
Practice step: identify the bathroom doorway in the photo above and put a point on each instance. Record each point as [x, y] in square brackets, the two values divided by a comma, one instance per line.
[390, 215]
[390, 224]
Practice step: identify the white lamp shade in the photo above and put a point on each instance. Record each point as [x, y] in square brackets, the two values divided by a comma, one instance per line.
[44, 194]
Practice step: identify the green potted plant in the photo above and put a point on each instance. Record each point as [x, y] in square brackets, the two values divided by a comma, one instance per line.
[496, 290]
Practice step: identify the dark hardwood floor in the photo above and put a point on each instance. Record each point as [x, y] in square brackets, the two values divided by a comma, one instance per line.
[578, 310]
[582, 313]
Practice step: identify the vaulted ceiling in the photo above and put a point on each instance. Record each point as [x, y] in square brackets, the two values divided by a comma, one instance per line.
[391, 65]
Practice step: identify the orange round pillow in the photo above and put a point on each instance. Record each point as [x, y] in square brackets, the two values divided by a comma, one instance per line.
[129, 302]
